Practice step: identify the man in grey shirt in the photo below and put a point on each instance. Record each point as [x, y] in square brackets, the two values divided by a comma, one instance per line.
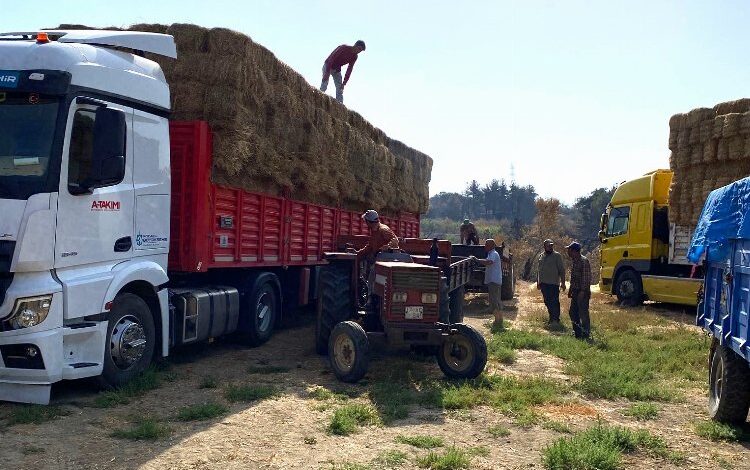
[550, 279]
[493, 278]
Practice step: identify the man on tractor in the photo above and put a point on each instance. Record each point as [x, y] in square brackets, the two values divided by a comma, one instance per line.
[381, 236]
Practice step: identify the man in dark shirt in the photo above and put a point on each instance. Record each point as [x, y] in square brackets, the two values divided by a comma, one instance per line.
[340, 56]
[580, 291]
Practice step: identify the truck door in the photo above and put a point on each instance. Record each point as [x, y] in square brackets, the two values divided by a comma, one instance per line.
[94, 218]
[617, 236]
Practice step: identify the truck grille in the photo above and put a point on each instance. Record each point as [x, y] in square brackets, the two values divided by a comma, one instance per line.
[6, 257]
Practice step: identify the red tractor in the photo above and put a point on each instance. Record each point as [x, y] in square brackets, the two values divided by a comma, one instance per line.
[409, 300]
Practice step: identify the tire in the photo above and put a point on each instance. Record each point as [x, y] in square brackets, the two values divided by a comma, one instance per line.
[507, 288]
[130, 341]
[728, 386]
[629, 289]
[457, 305]
[349, 351]
[334, 302]
[261, 312]
[463, 355]
[444, 308]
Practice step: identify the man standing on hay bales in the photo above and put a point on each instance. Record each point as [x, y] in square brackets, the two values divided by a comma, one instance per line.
[342, 55]
[469, 233]
[550, 279]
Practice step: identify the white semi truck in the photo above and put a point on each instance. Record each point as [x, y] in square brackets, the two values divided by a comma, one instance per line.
[96, 185]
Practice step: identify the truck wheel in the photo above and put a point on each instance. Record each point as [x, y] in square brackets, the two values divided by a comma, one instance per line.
[349, 351]
[131, 339]
[334, 302]
[728, 386]
[463, 355]
[457, 305]
[262, 310]
[629, 289]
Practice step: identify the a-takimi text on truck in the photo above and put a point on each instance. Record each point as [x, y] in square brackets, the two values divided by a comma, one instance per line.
[115, 246]
[643, 256]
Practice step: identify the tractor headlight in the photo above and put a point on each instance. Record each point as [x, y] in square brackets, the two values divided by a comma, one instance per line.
[30, 311]
[429, 298]
[399, 297]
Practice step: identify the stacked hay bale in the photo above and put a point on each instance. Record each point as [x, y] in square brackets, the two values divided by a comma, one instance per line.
[275, 133]
[710, 148]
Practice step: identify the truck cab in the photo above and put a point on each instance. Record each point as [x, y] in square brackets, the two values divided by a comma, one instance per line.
[641, 256]
[84, 198]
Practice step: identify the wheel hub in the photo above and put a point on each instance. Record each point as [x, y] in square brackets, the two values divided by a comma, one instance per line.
[457, 352]
[127, 342]
[343, 353]
[627, 288]
[263, 312]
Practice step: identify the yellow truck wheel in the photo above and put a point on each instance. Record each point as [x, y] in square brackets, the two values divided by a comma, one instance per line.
[629, 288]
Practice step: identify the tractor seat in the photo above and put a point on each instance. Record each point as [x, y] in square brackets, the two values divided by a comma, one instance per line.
[394, 256]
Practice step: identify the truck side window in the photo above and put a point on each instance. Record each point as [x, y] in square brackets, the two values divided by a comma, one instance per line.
[618, 221]
[81, 147]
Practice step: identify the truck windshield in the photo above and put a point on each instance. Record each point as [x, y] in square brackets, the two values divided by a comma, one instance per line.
[27, 131]
[618, 221]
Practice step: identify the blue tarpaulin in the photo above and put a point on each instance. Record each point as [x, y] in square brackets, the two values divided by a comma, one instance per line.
[725, 216]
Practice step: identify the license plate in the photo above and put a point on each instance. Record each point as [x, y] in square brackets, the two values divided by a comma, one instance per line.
[414, 313]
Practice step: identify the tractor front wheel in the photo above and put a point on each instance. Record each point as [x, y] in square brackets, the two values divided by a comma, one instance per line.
[463, 355]
[349, 351]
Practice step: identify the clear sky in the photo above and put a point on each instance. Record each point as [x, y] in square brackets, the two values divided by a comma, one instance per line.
[573, 94]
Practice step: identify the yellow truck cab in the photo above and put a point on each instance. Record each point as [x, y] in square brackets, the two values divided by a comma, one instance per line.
[643, 255]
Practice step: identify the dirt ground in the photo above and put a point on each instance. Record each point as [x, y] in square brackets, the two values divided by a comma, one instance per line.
[290, 431]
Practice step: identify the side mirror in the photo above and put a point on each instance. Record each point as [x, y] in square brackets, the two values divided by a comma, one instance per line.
[108, 154]
[602, 236]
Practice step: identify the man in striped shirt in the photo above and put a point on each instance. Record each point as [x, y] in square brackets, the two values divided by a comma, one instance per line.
[580, 291]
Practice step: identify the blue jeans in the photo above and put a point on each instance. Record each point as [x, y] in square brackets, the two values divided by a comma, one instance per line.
[336, 74]
[551, 294]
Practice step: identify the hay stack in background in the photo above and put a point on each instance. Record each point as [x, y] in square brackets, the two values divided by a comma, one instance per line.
[275, 133]
[710, 149]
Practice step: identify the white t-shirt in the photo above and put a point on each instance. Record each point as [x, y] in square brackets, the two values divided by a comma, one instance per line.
[494, 272]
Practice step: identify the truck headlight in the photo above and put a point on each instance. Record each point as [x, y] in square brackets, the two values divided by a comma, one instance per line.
[30, 311]
[429, 298]
[399, 296]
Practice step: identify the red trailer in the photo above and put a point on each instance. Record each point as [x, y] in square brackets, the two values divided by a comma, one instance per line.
[240, 238]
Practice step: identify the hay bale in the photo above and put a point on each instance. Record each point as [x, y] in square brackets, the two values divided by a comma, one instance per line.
[275, 133]
[731, 125]
[738, 106]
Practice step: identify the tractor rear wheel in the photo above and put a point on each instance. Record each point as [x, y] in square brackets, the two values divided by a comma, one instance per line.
[349, 351]
[334, 302]
[728, 387]
[463, 355]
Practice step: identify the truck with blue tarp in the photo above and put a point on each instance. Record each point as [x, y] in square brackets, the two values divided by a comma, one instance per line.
[722, 241]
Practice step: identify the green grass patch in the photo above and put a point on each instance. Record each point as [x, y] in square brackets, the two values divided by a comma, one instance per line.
[35, 414]
[498, 430]
[265, 369]
[143, 429]
[557, 426]
[715, 431]
[642, 411]
[245, 393]
[421, 442]
[390, 459]
[202, 412]
[509, 394]
[600, 448]
[322, 394]
[635, 355]
[149, 380]
[346, 419]
[208, 382]
[452, 458]
[526, 419]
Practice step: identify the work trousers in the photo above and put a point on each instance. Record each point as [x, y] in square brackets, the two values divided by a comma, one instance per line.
[579, 313]
[551, 294]
[336, 74]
